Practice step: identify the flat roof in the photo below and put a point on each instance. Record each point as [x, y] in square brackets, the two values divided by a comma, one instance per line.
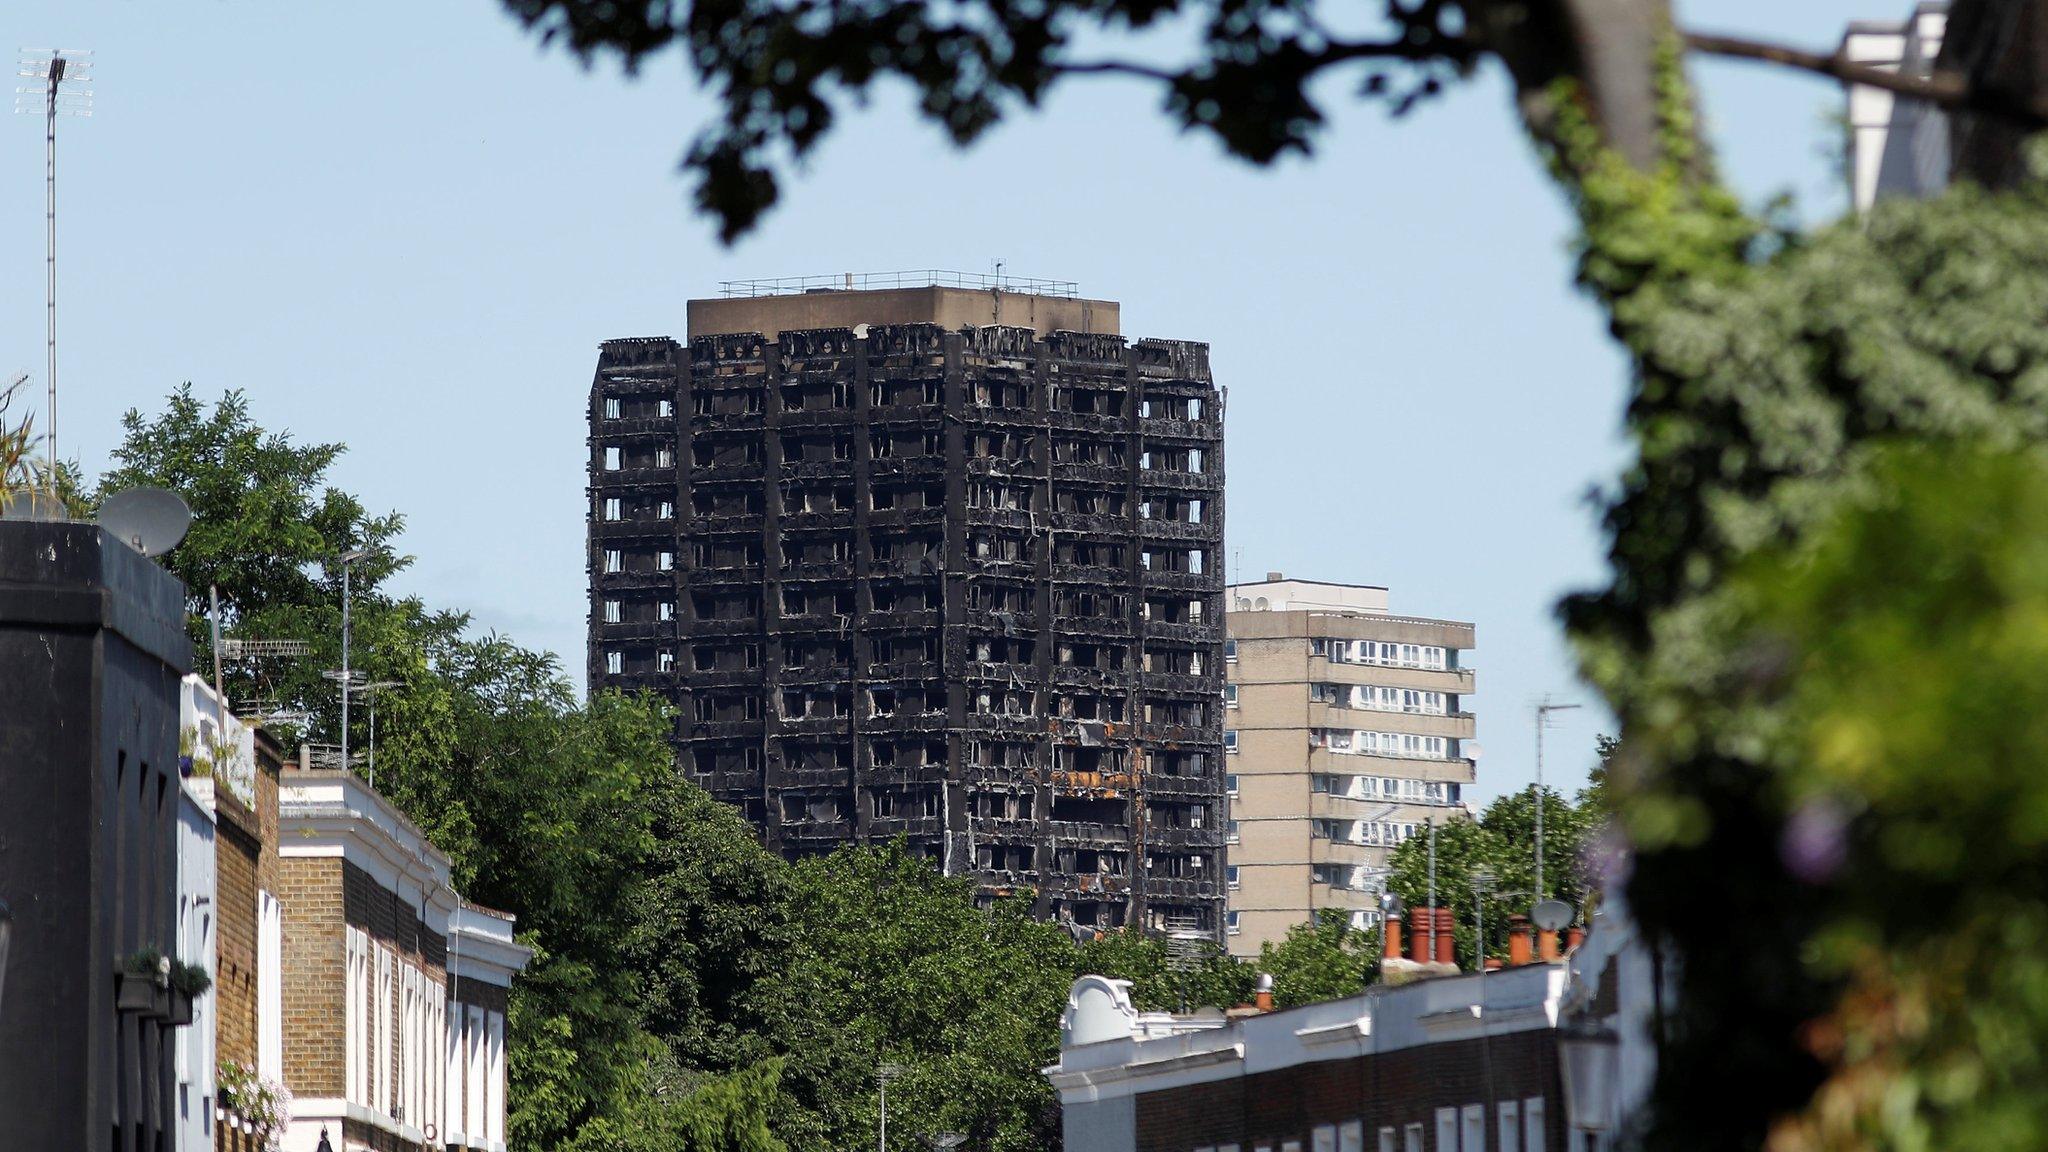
[948, 307]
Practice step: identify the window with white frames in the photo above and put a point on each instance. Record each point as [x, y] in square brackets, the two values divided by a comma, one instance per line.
[1230, 784]
[1508, 1122]
[475, 1054]
[1387, 1141]
[269, 986]
[1351, 1136]
[665, 562]
[614, 662]
[1532, 1124]
[614, 560]
[664, 458]
[1290, 1146]
[666, 661]
[1411, 1138]
[1230, 922]
[1230, 741]
[1226, 1148]
[1230, 650]
[1230, 875]
[387, 977]
[1475, 1128]
[665, 408]
[611, 407]
[667, 510]
[1446, 1130]
[1323, 1138]
[1230, 695]
[665, 611]
[612, 609]
[1317, 646]
[611, 458]
[1230, 832]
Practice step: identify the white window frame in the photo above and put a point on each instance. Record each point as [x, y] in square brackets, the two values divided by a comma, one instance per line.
[1230, 742]
[1533, 1132]
[614, 662]
[1323, 1138]
[1446, 1130]
[1507, 1117]
[613, 458]
[1231, 923]
[1472, 1130]
[612, 611]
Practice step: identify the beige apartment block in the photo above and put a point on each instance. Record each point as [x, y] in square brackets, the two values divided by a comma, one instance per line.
[1344, 726]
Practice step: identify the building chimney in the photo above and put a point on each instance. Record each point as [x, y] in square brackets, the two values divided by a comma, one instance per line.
[1546, 944]
[1390, 938]
[1262, 995]
[1418, 934]
[1493, 963]
[1446, 940]
[1274, 577]
[1573, 937]
[1518, 940]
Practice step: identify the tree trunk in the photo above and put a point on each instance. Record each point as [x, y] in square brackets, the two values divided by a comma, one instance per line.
[1608, 47]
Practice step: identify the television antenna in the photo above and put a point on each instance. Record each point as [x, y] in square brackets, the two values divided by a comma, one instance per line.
[64, 78]
[149, 520]
[1543, 710]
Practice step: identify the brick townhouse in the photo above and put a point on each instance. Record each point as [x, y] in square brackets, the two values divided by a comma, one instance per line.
[394, 991]
[1455, 1063]
[236, 768]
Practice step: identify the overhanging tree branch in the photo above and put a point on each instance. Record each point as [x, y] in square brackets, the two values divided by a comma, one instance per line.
[1948, 90]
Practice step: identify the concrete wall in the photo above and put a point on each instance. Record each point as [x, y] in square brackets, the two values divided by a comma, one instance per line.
[92, 647]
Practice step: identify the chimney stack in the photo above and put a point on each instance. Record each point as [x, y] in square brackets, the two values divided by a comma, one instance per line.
[1262, 996]
[1546, 944]
[1390, 938]
[1518, 940]
[1418, 934]
[1573, 937]
[1446, 942]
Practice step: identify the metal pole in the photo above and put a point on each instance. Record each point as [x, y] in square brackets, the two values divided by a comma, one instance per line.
[1431, 955]
[373, 741]
[50, 256]
[345, 562]
[213, 594]
[882, 1136]
[1543, 710]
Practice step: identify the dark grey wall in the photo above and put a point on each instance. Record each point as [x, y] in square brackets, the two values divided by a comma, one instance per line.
[92, 646]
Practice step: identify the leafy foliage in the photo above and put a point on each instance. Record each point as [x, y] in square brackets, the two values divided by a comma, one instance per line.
[784, 69]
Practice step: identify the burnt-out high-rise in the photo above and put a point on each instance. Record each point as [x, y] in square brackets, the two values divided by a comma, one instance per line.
[940, 562]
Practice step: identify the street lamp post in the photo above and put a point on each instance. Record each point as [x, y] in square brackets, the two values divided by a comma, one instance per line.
[883, 1075]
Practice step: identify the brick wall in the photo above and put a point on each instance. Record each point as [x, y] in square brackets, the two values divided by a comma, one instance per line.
[492, 997]
[315, 972]
[234, 979]
[1390, 1090]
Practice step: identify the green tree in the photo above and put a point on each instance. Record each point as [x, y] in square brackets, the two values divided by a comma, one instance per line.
[1323, 959]
[893, 963]
[1502, 841]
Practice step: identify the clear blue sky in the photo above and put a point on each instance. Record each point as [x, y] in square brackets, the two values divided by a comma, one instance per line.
[406, 227]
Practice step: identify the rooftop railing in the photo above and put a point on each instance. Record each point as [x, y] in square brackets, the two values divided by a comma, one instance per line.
[911, 278]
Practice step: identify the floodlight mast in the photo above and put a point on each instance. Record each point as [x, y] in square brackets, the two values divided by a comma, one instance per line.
[56, 68]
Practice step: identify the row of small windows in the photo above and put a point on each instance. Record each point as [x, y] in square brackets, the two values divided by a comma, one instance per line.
[1518, 1127]
[1377, 833]
[1386, 788]
[1405, 745]
[803, 396]
[1379, 652]
[1374, 698]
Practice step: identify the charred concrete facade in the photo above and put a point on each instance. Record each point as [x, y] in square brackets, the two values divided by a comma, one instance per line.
[957, 584]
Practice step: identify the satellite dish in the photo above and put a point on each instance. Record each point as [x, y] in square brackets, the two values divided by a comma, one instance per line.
[149, 520]
[1470, 749]
[1551, 915]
